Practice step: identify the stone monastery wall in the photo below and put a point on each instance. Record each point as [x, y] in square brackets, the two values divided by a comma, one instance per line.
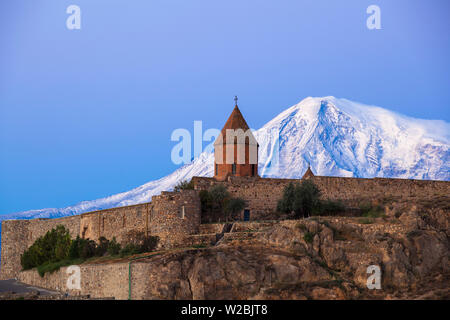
[262, 195]
[164, 217]
[174, 215]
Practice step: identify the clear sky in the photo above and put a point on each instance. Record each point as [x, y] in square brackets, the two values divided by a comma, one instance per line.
[88, 113]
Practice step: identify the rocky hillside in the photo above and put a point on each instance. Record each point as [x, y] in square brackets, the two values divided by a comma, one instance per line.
[316, 258]
[322, 257]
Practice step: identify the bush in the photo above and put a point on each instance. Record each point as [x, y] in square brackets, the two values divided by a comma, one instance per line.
[130, 249]
[329, 207]
[219, 195]
[149, 244]
[306, 198]
[54, 266]
[308, 237]
[102, 247]
[370, 211]
[286, 203]
[184, 185]
[205, 200]
[52, 247]
[301, 199]
[87, 249]
[74, 250]
[56, 249]
[234, 206]
[217, 201]
[365, 221]
[113, 247]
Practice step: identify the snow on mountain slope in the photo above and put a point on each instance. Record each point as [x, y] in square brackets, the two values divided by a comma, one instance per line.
[337, 137]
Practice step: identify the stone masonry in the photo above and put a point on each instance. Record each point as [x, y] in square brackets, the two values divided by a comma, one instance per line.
[171, 216]
[175, 216]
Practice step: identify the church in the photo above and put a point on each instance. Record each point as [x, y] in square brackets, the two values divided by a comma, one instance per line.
[235, 149]
[178, 217]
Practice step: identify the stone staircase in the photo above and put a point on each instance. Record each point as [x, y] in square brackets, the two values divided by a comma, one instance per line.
[217, 233]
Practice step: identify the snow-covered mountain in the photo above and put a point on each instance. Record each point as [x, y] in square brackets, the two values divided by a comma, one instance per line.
[337, 137]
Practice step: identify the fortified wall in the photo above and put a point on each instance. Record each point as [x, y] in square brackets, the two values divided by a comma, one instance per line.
[262, 195]
[171, 216]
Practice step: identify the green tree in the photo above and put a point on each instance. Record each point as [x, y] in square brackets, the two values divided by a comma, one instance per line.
[102, 247]
[285, 204]
[306, 198]
[301, 199]
[74, 250]
[62, 246]
[149, 243]
[87, 249]
[219, 196]
[113, 247]
[53, 246]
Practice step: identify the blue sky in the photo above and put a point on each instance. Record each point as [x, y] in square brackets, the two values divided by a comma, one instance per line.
[89, 113]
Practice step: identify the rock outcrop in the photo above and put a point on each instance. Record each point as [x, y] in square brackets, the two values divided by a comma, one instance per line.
[311, 258]
[315, 258]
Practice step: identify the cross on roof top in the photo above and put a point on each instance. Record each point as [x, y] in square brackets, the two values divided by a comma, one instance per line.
[235, 100]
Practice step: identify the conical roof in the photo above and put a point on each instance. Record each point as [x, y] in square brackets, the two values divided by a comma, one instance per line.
[235, 121]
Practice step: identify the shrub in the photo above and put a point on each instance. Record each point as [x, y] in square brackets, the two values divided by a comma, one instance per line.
[365, 207]
[308, 237]
[184, 185]
[205, 200]
[82, 248]
[145, 244]
[130, 249]
[219, 195]
[216, 201]
[113, 247]
[56, 249]
[301, 199]
[62, 246]
[102, 247]
[234, 206]
[365, 221]
[54, 266]
[301, 226]
[149, 243]
[286, 203]
[53, 246]
[306, 198]
[370, 211]
[74, 250]
[87, 249]
[328, 207]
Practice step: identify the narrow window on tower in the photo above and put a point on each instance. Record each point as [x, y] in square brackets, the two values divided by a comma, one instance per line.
[233, 168]
[253, 170]
[217, 169]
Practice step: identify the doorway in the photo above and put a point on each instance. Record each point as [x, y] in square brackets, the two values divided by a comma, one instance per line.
[246, 215]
